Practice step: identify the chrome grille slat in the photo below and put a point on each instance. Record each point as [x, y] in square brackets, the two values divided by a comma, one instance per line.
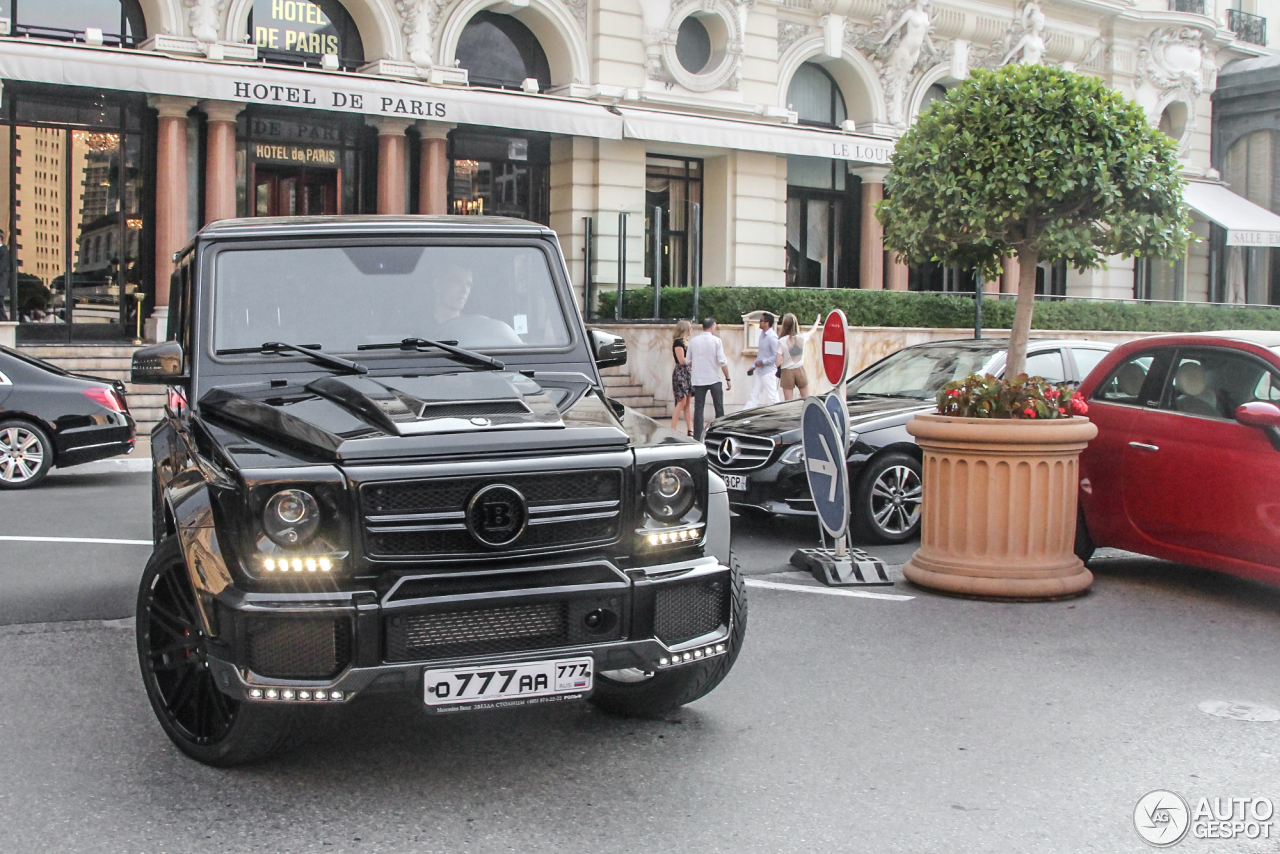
[426, 519]
[747, 452]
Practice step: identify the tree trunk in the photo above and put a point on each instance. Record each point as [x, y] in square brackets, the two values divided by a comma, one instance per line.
[1027, 261]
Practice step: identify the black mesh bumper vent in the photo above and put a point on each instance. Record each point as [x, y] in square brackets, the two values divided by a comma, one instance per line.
[491, 630]
[299, 648]
[688, 609]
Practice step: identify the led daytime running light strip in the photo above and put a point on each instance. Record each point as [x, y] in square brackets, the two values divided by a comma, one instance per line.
[691, 655]
[294, 695]
[678, 535]
[297, 564]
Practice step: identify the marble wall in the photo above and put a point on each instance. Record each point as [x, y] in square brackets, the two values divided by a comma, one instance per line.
[649, 359]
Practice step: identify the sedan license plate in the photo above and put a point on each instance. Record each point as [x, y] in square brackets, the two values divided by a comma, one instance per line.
[457, 689]
[736, 482]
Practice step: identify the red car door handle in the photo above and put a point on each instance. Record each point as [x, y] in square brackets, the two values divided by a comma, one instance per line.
[1143, 446]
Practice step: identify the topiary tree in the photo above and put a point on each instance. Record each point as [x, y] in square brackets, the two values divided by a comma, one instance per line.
[1037, 162]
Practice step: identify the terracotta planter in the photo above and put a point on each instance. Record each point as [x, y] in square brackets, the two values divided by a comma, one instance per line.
[999, 515]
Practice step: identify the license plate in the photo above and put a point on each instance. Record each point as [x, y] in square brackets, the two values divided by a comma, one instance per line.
[466, 688]
[735, 481]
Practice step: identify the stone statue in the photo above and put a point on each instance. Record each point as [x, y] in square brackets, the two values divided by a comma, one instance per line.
[417, 31]
[1028, 46]
[204, 17]
[898, 66]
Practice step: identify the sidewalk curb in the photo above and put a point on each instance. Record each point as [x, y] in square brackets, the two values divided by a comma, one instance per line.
[16, 629]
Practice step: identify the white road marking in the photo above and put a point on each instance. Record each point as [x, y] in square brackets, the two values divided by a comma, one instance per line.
[826, 591]
[100, 540]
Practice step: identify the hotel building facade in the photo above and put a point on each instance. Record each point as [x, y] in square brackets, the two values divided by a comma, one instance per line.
[723, 142]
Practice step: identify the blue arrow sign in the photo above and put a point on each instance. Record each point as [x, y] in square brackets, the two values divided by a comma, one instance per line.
[839, 416]
[825, 466]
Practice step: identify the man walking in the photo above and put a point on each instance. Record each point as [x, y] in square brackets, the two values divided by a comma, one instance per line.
[764, 390]
[706, 363]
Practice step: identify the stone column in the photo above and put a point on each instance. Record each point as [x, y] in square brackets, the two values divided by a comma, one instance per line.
[220, 159]
[433, 168]
[391, 164]
[895, 273]
[171, 199]
[1009, 276]
[871, 273]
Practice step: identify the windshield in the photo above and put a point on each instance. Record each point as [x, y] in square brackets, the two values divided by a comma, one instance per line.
[919, 371]
[482, 297]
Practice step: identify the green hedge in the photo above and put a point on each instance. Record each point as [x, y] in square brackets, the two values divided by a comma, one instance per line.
[891, 308]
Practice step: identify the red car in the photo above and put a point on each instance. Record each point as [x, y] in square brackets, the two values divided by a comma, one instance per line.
[1186, 465]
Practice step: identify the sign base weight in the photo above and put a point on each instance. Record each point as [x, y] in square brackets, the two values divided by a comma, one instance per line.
[854, 569]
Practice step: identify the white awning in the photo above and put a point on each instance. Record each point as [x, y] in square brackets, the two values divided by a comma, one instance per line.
[157, 74]
[753, 136]
[1247, 224]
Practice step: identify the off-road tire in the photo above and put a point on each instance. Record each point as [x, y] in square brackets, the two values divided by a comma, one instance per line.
[1084, 547]
[868, 499]
[204, 723]
[31, 438]
[668, 690]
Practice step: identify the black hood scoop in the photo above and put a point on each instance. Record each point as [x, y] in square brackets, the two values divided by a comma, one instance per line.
[445, 403]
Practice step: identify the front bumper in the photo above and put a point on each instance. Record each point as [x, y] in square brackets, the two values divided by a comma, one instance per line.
[773, 488]
[666, 616]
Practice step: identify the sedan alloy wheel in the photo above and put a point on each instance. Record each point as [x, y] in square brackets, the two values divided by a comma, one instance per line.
[25, 455]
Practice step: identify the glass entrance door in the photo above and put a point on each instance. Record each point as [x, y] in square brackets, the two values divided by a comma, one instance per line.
[76, 244]
[284, 191]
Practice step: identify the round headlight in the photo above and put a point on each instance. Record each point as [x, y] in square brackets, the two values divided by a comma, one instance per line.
[291, 517]
[669, 494]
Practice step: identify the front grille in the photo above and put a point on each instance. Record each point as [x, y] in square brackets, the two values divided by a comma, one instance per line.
[418, 636]
[688, 609]
[299, 648]
[735, 452]
[426, 519]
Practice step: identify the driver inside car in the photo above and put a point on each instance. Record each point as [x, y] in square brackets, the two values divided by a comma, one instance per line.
[452, 290]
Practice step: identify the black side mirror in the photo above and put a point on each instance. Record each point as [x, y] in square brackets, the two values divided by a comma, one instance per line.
[159, 364]
[610, 349]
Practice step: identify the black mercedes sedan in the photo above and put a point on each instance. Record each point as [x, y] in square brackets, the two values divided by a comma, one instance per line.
[759, 455]
[49, 417]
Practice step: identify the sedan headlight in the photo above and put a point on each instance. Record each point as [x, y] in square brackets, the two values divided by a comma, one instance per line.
[670, 493]
[793, 455]
[291, 517]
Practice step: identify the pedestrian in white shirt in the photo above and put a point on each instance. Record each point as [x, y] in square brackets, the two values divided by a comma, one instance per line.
[764, 390]
[706, 363]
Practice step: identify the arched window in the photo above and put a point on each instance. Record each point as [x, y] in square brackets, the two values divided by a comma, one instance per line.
[814, 95]
[299, 32]
[499, 51]
[936, 92]
[121, 21]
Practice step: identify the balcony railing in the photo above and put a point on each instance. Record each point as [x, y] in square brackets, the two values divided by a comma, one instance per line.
[1248, 28]
[1195, 7]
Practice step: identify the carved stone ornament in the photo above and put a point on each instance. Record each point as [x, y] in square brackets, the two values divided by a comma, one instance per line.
[789, 33]
[899, 44]
[724, 71]
[204, 17]
[578, 8]
[1173, 59]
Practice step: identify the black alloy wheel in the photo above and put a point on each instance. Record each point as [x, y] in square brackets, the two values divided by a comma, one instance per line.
[203, 722]
[888, 498]
[26, 454]
[644, 694]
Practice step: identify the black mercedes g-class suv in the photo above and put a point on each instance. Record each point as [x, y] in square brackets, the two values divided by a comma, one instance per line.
[388, 464]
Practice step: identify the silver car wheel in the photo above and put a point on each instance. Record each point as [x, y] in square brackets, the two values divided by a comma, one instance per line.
[896, 496]
[21, 455]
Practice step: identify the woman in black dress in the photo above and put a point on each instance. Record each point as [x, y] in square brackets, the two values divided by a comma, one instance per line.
[681, 387]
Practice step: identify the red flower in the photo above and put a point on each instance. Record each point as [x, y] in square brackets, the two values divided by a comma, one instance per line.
[1078, 406]
[1029, 412]
[953, 392]
[1061, 411]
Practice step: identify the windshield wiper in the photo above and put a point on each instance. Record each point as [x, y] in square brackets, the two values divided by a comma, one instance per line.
[311, 351]
[449, 347]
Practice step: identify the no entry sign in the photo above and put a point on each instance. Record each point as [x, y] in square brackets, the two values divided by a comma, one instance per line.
[835, 359]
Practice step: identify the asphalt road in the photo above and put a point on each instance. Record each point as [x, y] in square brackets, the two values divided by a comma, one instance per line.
[849, 724]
